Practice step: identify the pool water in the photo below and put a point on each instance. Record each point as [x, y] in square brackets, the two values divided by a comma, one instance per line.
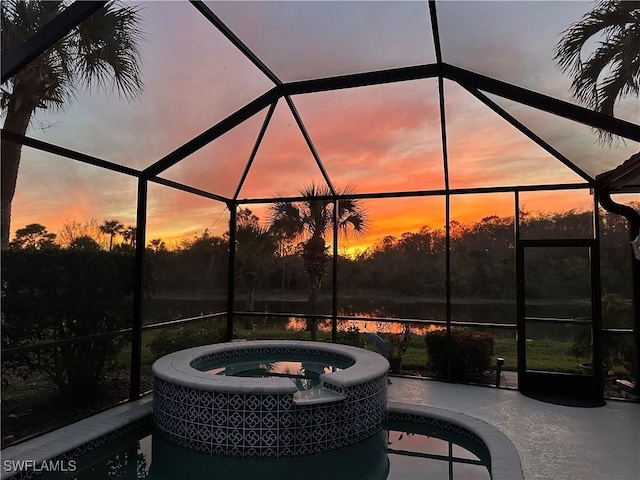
[304, 373]
[401, 452]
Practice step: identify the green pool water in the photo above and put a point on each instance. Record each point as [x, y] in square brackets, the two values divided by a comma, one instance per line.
[401, 452]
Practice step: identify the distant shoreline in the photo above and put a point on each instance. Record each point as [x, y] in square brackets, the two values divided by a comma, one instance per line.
[377, 297]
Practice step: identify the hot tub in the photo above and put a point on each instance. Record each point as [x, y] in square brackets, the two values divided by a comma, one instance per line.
[269, 415]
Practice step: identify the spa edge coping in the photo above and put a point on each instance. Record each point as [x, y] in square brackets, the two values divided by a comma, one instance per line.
[176, 367]
[505, 460]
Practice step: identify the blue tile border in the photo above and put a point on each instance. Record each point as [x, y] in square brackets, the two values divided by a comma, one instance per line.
[271, 425]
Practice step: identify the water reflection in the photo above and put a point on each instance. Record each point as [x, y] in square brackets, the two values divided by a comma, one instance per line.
[362, 326]
[405, 451]
[304, 374]
[462, 311]
[366, 460]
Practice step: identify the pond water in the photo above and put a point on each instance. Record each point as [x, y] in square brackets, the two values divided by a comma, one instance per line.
[161, 309]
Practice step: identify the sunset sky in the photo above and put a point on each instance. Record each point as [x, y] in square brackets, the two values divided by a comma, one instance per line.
[377, 139]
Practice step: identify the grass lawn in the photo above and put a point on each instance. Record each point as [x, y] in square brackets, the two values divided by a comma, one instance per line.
[546, 355]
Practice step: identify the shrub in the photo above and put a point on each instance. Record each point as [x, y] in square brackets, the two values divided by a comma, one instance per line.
[351, 336]
[54, 295]
[171, 340]
[399, 342]
[471, 352]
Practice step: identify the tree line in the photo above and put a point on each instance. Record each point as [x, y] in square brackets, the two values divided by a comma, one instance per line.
[271, 258]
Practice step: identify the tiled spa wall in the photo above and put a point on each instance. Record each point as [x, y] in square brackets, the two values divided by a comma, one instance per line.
[254, 425]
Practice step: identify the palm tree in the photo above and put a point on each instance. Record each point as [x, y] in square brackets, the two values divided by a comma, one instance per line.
[309, 221]
[111, 228]
[157, 245]
[129, 235]
[255, 248]
[612, 70]
[102, 51]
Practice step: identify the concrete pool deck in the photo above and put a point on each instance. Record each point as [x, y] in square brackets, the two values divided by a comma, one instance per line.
[554, 442]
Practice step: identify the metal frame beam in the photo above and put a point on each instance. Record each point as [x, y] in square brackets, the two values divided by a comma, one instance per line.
[47, 36]
[256, 146]
[426, 193]
[188, 189]
[334, 285]
[66, 153]
[309, 143]
[360, 79]
[543, 102]
[231, 271]
[233, 38]
[138, 290]
[530, 134]
[467, 79]
[212, 133]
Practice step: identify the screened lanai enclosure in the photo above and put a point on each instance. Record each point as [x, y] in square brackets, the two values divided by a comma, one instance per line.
[424, 171]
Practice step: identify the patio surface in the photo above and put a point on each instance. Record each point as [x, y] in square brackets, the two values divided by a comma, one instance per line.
[554, 442]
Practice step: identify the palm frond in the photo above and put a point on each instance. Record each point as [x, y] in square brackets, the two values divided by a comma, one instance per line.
[604, 19]
[313, 216]
[102, 51]
[585, 85]
[612, 70]
[619, 82]
[285, 218]
[108, 46]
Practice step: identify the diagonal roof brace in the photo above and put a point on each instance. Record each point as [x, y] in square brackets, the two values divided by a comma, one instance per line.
[464, 77]
[543, 102]
[233, 38]
[212, 133]
[528, 133]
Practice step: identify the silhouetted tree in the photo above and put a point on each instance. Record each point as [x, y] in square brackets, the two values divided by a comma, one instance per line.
[129, 235]
[34, 237]
[255, 246]
[310, 220]
[112, 228]
[72, 230]
[102, 51]
[201, 262]
[157, 245]
[84, 243]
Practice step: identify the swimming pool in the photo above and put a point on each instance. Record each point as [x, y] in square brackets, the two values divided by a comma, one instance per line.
[402, 450]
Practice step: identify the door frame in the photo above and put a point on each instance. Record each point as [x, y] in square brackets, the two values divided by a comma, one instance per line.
[553, 383]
